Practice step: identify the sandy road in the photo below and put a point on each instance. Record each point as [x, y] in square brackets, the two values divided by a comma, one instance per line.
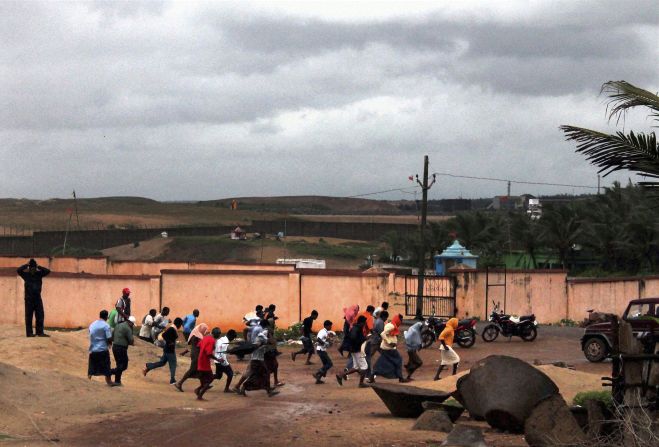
[46, 380]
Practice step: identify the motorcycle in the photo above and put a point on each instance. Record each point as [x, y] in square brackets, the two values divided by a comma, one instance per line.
[524, 327]
[465, 334]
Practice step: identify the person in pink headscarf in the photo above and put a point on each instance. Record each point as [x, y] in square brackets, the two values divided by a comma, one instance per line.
[196, 336]
[349, 318]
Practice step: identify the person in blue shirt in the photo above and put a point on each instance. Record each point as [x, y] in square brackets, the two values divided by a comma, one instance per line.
[189, 323]
[100, 339]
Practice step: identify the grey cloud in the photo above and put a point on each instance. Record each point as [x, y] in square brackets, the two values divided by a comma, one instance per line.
[141, 99]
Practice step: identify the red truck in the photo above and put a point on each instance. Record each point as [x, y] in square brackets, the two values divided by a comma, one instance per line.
[642, 314]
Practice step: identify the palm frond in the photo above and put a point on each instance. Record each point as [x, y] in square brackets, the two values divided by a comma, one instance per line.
[624, 96]
[614, 152]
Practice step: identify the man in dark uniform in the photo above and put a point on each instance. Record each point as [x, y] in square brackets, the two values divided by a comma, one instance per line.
[32, 275]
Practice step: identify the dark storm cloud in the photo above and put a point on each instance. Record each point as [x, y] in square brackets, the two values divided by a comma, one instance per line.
[173, 93]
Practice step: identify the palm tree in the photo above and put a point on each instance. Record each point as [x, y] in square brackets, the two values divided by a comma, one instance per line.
[527, 235]
[561, 228]
[636, 152]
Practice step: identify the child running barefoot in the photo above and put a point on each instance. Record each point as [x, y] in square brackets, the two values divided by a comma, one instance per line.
[449, 356]
[323, 341]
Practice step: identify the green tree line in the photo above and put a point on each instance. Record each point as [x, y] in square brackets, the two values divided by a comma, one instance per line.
[616, 232]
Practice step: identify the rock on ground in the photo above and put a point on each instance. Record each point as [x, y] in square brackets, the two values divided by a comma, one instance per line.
[465, 436]
[503, 390]
[406, 401]
[551, 424]
[434, 420]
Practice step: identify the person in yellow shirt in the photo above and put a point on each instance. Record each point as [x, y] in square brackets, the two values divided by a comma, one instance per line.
[449, 356]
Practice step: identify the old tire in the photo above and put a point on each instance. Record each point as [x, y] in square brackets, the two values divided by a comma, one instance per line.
[595, 350]
[466, 338]
[530, 334]
[427, 338]
[490, 333]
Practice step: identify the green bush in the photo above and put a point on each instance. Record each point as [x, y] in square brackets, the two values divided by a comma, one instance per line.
[290, 333]
[567, 322]
[603, 396]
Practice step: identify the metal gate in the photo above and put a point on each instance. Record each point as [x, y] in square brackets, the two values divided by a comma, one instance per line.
[438, 295]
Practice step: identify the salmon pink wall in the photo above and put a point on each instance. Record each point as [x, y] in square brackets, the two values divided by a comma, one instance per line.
[223, 297]
[93, 265]
[74, 300]
[526, 292]
[154, 268]
[329, 294]
[607, 294]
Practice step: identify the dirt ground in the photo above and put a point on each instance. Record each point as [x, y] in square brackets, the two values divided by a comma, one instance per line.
[47, 399]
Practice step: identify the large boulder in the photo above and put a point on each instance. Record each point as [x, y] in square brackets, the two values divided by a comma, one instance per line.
[503, 390]
[406, 401]
[551, 424]
[434, 420]
[465, 436]
[454, 411]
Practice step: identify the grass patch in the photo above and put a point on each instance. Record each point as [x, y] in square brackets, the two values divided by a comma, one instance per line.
[603, 396]
[345, 250]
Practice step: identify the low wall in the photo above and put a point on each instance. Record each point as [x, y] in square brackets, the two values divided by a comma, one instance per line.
[74, 300]
[225, 292]
[541, 292]
[223, 297]
[101, 265]
[607, 294]
[329, 292]
[154, 268]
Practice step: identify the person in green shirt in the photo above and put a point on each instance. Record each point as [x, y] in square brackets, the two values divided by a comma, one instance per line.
[112, 319]
[121, 339]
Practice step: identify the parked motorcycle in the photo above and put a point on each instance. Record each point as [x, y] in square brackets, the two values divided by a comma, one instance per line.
[465, 335]
[524, 327]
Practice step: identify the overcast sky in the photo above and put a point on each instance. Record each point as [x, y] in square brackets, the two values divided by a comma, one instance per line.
[188, 101]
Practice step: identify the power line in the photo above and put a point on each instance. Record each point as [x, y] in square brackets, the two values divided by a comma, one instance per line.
[405, 190]
[522, 182]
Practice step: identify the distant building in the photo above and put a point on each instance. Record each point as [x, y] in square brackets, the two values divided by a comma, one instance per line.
[454, 255]
[303, 263]
[511, 202]
[238, 234]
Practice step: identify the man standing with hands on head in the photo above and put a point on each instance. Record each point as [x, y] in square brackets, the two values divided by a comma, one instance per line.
[32, 275]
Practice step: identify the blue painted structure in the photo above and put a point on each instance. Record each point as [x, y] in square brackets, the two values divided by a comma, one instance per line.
[453, 255]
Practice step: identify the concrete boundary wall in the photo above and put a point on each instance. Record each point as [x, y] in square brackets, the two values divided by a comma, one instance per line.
[225, 292]
[74, 300]
[549, 294]
[101, 265]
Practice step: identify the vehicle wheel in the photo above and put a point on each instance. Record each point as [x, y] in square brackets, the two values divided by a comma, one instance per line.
[466, 338]
[427, 338]
[530, 334]
[490, 333]
[595, 350]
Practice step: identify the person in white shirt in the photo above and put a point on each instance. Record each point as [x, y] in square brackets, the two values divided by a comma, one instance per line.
[222, 365]
[147, 325]
[324, 340]
[383, 306]
[160, 322]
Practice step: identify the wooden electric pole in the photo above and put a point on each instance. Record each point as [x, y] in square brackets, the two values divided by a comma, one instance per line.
[422, 250]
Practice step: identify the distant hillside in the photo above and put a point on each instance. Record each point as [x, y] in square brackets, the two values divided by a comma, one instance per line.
[21, 216]
[310, 205]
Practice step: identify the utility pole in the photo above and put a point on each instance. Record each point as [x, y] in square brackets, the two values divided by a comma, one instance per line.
[508, 189]
[75, 207]
[422, 251]
[598, 184]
